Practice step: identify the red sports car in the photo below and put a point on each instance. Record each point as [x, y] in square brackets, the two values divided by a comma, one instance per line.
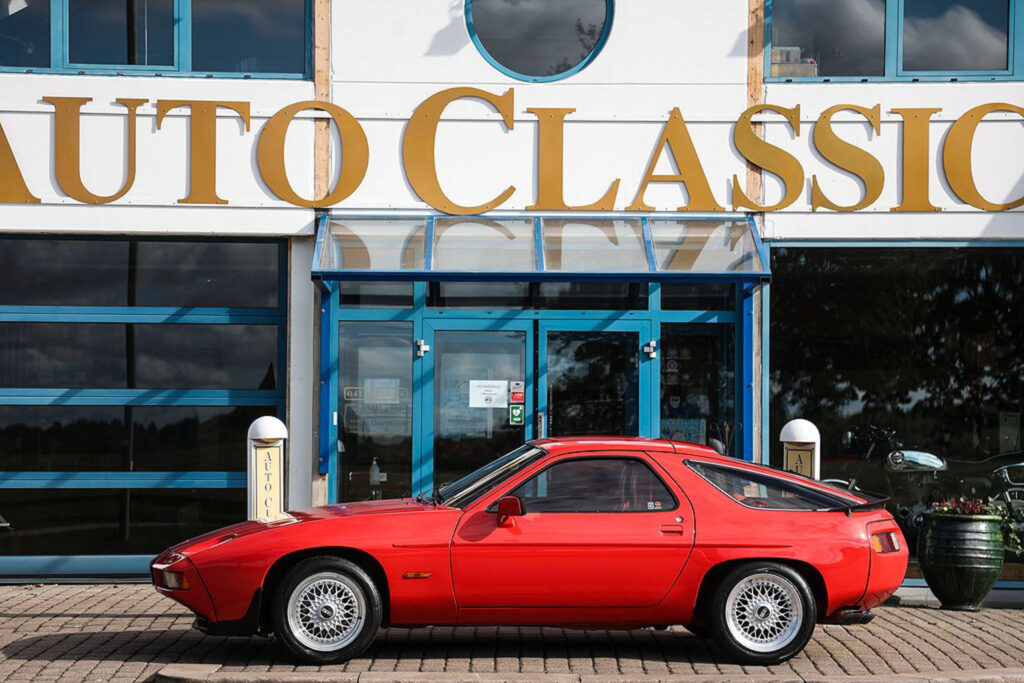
[584, 532]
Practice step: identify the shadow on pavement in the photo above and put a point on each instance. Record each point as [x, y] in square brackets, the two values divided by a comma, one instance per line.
[187, 646]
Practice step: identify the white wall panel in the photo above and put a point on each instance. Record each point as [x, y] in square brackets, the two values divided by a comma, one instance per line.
[427, 41]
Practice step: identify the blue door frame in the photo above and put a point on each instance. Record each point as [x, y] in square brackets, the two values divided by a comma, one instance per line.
[427, 320]
[645, 369]
[423, 419]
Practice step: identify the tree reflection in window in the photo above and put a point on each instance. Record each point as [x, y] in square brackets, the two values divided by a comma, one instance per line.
[918, 351]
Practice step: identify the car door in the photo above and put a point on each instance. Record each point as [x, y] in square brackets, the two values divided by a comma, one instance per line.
[606, 530]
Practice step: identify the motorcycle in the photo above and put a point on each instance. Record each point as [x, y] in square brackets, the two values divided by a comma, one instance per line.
[912, 479]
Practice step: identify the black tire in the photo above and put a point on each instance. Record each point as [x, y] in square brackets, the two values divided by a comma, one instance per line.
[342, 611]
[767, 627]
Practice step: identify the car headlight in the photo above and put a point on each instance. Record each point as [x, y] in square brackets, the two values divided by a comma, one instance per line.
[175, 580]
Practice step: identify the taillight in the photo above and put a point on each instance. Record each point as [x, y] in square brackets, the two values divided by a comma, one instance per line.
[885, 542]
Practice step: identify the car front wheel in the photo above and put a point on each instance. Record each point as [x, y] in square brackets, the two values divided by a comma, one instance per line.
[763, 613]
[326, 610]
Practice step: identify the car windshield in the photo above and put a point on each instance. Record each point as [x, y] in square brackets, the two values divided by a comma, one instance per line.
[473, 485]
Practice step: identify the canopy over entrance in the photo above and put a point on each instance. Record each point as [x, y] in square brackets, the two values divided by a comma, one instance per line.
[541, 249]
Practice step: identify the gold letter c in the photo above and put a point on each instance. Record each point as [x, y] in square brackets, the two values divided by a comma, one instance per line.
[418, 147]
[956, 157]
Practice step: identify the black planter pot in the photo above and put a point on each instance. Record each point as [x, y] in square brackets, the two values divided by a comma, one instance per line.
[960, 557]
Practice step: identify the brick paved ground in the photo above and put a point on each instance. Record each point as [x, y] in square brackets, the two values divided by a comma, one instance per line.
[128, 632]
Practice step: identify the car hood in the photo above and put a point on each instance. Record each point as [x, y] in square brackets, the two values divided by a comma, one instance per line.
[307, 515]
[368, 507]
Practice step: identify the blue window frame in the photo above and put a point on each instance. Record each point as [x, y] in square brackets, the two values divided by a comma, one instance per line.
[892, 69]
[402, 252]
[180, 34]
[591, 37]
[166, 454]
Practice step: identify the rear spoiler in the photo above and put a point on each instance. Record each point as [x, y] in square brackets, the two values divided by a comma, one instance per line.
[874, 501]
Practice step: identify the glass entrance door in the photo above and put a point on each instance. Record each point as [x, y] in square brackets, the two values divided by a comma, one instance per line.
[477, 395]
[594, 378]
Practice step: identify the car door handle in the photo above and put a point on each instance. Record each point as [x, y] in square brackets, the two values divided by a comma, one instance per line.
[671, 528]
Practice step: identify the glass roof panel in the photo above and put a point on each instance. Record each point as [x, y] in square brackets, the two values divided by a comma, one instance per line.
[386, 245]
[704, 246]
[574, 249]
[483, 244]
[581, 245]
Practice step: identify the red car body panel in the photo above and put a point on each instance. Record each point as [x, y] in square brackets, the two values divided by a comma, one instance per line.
[444, 565]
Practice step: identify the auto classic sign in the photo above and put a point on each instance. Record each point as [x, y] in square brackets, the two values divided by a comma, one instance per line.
[419, 147]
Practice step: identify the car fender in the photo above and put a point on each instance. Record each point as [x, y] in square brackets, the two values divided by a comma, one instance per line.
[234, 570]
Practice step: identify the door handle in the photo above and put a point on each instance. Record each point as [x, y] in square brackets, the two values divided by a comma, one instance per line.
[672, 528]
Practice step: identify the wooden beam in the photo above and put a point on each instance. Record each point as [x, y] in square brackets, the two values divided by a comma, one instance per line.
[321, 185]
[755, 85]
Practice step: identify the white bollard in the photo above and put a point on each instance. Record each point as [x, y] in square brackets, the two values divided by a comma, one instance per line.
[801, 448]
[265, 468]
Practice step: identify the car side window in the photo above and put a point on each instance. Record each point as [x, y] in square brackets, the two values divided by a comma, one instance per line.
[596, 485]
[762, 491]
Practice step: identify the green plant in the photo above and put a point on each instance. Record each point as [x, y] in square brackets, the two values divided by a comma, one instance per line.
[1012, 520]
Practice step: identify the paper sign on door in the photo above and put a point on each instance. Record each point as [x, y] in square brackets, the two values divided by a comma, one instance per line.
[517, 392]
[488, 394]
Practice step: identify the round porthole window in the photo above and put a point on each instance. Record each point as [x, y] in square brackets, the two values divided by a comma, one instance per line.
[539, 40]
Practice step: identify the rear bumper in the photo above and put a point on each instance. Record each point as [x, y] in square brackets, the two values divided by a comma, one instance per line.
[849, 617]
[887, 570]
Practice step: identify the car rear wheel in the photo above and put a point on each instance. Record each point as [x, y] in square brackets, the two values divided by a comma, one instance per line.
[763, 613]
[326, 610]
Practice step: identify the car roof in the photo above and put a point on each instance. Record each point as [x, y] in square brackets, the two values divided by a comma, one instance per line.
[659, 448]
[625, 443]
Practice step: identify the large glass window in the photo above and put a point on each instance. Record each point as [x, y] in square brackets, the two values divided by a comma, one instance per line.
[955, 35]
[911, 351]
[539, 40]
[827, 38]
[222, 37]
[249, 36]
[137, 356]
[137, 32]
[90, 438]
[893, 39]
[62, 521]
[130, 371]
[25, 33]
[596, 485]
[119, 272]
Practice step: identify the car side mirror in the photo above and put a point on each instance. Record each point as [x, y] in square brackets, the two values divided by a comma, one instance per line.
[509, 507]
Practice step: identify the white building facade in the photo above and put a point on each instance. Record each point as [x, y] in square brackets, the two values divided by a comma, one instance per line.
[424, 232]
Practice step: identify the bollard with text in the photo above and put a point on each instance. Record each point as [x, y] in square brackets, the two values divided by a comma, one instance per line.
[801, 448]
[265, 456]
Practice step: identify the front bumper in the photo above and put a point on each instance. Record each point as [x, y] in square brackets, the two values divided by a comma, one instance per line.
[195, 597]
[246, 626]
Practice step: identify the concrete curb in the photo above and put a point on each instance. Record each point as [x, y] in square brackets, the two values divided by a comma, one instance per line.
[211, 673]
